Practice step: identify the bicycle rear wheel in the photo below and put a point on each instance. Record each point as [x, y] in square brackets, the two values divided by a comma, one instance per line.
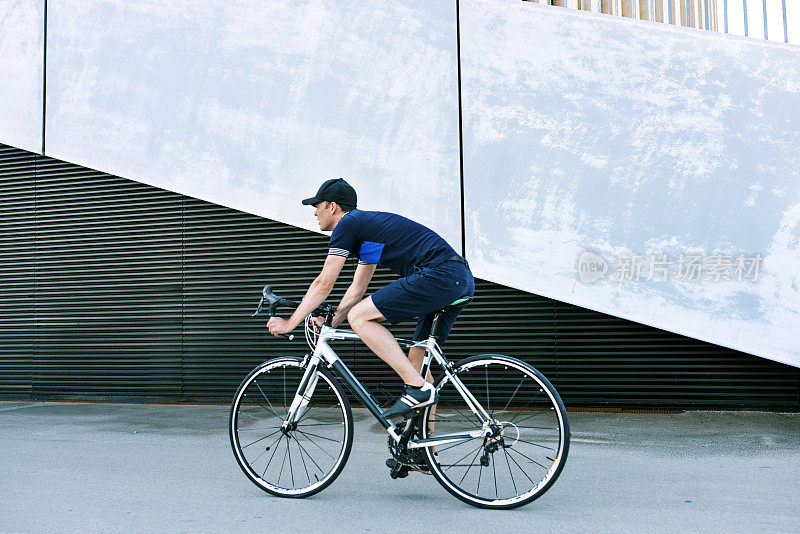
[529, 439]
[291, 462]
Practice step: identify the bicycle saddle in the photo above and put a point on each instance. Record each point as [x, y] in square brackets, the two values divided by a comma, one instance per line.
[458, 302]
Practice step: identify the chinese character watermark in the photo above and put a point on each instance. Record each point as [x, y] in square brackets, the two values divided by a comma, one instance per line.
[716, 267]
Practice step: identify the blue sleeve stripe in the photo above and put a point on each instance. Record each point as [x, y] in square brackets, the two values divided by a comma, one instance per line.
[338, 252]
[371, 252]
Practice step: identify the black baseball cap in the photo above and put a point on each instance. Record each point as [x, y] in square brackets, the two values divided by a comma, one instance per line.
[334, 190]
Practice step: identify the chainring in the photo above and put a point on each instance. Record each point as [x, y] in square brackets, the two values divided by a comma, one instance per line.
[404, 457]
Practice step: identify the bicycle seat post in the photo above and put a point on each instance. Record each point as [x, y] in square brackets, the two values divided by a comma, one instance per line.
[435, 325]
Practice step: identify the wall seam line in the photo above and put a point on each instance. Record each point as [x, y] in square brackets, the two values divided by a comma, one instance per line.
[460, 132]
[44, 77]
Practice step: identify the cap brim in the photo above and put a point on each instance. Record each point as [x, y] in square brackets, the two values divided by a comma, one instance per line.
[311, 201]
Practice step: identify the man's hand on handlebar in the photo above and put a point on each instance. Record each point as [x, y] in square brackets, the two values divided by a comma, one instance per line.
[278, 326]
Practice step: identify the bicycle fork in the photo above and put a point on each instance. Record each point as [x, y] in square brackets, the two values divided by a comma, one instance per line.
[303, 394]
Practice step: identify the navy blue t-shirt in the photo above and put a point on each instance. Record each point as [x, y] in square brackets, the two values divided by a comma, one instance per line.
[390, 240]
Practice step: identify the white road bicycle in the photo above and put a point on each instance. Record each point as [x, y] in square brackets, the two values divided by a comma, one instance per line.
[497, 438]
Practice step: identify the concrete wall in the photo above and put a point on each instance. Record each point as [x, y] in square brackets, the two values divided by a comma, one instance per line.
[21, 51]
[253, 104]
[589, 141]
[630, 139]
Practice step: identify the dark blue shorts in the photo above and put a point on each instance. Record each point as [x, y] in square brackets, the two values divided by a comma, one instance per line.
[423, 292]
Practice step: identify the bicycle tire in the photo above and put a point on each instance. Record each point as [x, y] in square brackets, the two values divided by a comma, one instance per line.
[329, 412]
[525, 394]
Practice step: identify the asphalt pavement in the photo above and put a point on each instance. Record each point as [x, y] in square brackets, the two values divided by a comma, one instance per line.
[91, 467]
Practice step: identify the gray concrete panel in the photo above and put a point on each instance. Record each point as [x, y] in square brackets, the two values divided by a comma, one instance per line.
[21, 56]
[253, 104]
[636, 142]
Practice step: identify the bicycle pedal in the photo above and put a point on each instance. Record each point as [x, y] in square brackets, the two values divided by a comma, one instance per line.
[398, 470]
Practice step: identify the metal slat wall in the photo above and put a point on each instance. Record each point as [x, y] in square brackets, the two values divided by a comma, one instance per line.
[604, 359]
[105, 280]
[108, 284]
[115, 289]
[17, 223]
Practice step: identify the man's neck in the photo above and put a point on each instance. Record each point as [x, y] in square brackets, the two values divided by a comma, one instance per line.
[338, 218]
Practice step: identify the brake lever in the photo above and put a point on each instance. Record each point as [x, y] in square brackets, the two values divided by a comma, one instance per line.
[272, 307]
[260, 307]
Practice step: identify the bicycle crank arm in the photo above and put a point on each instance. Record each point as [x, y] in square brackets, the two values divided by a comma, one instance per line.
[445, 439]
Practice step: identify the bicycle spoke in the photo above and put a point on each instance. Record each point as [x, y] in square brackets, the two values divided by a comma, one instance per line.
[528, 417]
[274, 450]
[514, 394]
[456, 445]
[494, 472]
[315, 444]
[308, 412]
[259, 439]
[522, 410]
[510, 473]
[289, 451]
[317, 436]
[260, 455]
[309, 455]
[520, 467]
[526, 456]
[488, 403]
[470, 452]
[271, 407]
[302, 458]
[480, 472]
[283, 462]
[534, 444]
[470, 466]
[537, 427]
[467, 418]
[269, 410]
[246, 414]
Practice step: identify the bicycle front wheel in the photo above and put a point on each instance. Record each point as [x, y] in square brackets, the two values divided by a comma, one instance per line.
[301, 460]
[528, 435]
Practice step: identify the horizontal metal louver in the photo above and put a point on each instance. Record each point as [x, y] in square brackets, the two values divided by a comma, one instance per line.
[110, 288]
[17, 260]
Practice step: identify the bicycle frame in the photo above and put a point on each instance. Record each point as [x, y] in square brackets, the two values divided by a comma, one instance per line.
[323, 352]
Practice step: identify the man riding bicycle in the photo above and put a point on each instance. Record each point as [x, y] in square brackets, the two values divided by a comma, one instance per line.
[432, 275]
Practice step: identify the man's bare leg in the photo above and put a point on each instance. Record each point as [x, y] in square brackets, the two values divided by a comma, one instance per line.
[415, 356]
[364, 317]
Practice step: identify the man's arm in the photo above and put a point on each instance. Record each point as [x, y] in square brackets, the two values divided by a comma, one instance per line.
[354, 293]
[320, 288]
